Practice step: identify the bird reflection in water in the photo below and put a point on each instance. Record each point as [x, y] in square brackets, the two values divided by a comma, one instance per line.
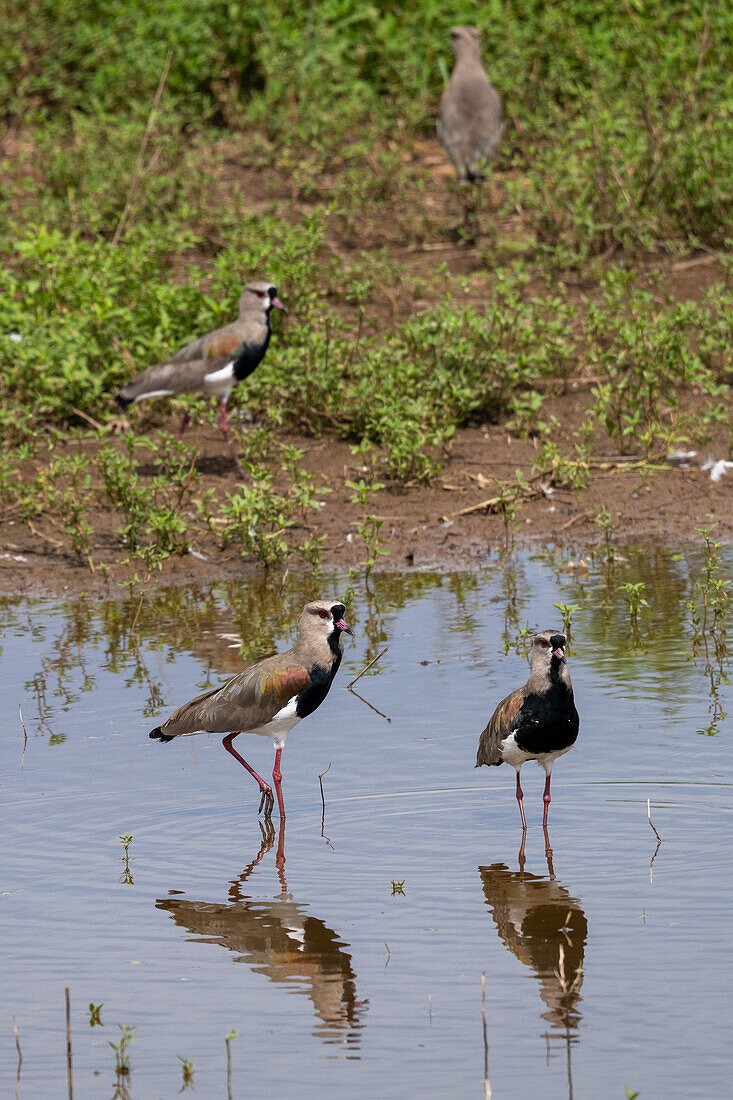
[545, 928]
[281, 939]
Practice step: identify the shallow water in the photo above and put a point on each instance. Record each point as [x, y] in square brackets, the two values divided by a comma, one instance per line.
[600, 971]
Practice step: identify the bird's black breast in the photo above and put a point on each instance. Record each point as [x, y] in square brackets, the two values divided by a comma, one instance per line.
[547, 722]
[310, 698]
[250, 356]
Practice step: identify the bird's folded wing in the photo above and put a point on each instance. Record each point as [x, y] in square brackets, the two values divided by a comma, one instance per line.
[500, 725]
[167, 378]
[215, 347]
[249, 699]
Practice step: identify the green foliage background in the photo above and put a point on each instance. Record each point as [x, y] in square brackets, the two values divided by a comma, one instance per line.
[619, 144]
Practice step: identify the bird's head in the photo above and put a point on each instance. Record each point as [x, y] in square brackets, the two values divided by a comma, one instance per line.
[259, 297]
[465, 41]
[325, 619]
[548, 649]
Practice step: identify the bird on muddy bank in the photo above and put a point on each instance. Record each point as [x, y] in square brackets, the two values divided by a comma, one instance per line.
[536, 722]
[214, 363]
[470, 123]
[270, 696]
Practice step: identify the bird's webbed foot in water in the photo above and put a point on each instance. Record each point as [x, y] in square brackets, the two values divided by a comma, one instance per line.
[267, 800]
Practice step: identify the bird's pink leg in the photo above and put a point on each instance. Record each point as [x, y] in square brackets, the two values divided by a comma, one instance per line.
[280, 856]
[184, 423]
[546, 800]
[520, 797]
[277, 778]
[267, 799]
[223, 426]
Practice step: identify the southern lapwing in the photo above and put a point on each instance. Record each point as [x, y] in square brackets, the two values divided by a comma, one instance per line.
[470, 122]
[214, 363]
[536, 722]
[270, 696]
[283, 941]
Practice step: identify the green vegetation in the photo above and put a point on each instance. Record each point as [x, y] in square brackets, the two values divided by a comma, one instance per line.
[158, 155]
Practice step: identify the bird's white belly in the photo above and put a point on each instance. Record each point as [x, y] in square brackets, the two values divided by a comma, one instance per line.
[220, 381]
[512, 754]
[152, 393]
[281, 724]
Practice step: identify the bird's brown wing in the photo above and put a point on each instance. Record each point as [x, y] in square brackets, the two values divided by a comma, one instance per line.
[500, 725]
[214, 348]
[167, 378]
[248, 700]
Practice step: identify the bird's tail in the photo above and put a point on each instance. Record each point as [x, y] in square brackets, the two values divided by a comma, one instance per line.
[158, 735]
[123, 401]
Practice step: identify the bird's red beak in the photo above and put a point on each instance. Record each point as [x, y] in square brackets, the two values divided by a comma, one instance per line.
[278, 304]
[559, 653]
[342, 625]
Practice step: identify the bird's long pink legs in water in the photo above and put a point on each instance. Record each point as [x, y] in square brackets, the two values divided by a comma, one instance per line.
[520, 797]
[546, 799]
[267, 799]
[277, 779]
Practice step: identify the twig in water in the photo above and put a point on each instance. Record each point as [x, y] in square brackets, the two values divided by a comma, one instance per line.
[367, 667]
[20, 1055]
[651, 865]
[367, 703]
[227, 1039]
[389, 956]
[649, 817]
[134, 621]
[487, 1086]
[323, 799]
[68, 1044]
[137, 170]
[25, 736]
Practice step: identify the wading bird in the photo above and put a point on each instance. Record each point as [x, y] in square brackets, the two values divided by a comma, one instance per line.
[270, 696]
[536, 722]
[214, 363]
[470, 123]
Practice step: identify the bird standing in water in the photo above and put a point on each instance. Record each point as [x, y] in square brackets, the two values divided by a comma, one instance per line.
[214, 363]
[536, 722]
[270, 696]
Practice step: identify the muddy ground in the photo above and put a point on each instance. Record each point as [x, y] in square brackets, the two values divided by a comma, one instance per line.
[441, 525]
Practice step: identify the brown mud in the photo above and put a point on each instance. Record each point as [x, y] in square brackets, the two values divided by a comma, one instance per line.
[423, 526]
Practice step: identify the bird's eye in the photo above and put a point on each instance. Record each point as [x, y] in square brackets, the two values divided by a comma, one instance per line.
[323, 614]
[260, 293]
[545, 645]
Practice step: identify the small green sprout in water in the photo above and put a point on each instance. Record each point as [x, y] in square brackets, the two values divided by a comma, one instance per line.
[186, 1072]
[632, 593]
[398, 887]
[227, 1039]
[126, 876]
[603, 519]
[122, 1058]
[567, 610]
[94, 1015]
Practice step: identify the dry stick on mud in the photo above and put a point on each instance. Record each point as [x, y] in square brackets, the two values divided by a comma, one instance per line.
[137, 170]
[25, 736]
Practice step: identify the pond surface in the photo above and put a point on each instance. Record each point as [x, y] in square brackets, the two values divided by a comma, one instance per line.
[348, 951]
